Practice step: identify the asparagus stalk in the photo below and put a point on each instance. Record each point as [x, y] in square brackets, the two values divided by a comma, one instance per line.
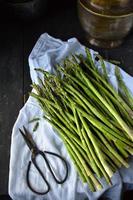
[94, 156]
[97, 149]
[108, 86]
[80, 169]
[112, 150]
[113, 111]
[124, 88]
[92, 119]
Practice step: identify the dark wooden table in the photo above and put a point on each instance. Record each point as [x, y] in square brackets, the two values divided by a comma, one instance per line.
[16, 42]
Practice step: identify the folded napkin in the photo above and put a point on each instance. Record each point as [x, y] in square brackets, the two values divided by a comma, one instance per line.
[45, 54]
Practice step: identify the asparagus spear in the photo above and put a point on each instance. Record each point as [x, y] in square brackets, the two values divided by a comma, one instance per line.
[92, 119]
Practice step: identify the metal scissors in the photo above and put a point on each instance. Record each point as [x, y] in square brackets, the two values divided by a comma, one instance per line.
[34, 153]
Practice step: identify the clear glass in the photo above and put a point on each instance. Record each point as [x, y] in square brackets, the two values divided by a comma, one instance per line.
[104, 30]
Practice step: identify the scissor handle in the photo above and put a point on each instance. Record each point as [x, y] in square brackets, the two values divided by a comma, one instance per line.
[33, 158]
[51, 170]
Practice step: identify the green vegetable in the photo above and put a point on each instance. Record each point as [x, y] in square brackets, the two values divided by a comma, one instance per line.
[124, 90]
[34, 120]
[36, 126]
[92, 118]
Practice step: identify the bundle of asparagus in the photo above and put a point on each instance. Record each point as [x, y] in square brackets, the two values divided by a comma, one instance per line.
[92, 118]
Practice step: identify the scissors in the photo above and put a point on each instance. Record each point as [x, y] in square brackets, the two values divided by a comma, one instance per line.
[34, 153]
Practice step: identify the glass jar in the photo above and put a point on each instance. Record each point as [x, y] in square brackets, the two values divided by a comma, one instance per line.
[106, 23]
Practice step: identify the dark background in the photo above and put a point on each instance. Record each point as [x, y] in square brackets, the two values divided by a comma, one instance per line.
[19, 32]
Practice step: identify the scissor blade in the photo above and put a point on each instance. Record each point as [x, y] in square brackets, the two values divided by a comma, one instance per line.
[28, 135]
[27, 139]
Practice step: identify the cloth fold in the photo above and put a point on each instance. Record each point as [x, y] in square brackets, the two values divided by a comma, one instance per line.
[47, 52]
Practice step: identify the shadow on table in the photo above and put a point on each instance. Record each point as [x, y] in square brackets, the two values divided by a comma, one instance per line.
[5, 197]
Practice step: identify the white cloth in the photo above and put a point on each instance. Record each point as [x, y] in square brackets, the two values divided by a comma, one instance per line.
[45, 54]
